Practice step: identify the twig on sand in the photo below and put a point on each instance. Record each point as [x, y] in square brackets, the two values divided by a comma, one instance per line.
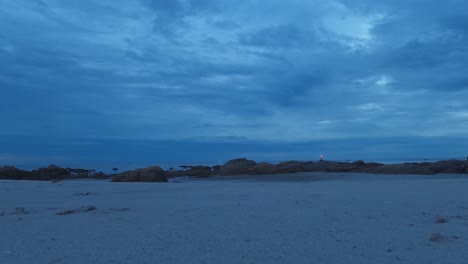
[83, 209]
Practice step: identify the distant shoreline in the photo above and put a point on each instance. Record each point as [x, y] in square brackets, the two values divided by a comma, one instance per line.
[240, 166]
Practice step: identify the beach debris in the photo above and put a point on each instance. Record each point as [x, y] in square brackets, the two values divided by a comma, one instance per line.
[85, 194]
[437, 237]
[19, 211]
[15, 211]
[56, 261]
[83, 209]
[119, 209]
[441, 220]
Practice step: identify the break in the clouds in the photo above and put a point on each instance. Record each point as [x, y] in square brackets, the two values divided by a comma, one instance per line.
[248, 69]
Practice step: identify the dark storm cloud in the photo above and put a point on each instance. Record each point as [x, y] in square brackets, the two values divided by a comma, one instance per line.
[272, 70]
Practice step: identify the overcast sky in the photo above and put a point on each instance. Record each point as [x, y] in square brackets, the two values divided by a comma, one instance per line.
[215, 71]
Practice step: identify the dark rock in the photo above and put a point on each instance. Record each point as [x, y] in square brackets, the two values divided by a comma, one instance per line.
[425, 164]
[398, 169]
[262, 168]
[312, 166]
[359, 163]
[448, 166]
[216, 170]
[373, 164]
[193, 171]
[12, 173]
[289, 167]
[237, 166]
[340, 167]
[52, 172]
[174, 173]
[127, 176]
[198, 171]
[330, 166]
[100, 175]
[150, 174]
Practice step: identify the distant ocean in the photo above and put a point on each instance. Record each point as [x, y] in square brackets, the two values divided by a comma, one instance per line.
[105, 154]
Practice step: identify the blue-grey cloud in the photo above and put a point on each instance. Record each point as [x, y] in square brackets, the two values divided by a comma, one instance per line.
[190, 70]
[280, 36]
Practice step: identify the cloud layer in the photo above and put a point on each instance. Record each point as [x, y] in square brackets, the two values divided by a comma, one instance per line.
[285, 71]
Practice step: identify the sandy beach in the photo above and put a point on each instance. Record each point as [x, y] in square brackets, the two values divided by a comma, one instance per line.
[296, 218]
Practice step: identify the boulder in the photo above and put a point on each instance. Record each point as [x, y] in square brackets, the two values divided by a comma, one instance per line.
[237, 166]
[448, 166]
[150, 174]
[126, 176]
[262, 168]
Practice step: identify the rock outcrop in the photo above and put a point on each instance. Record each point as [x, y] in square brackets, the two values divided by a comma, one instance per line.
[289, 167]
[406, 168]
[261, 168]
[192, 171]
[216, 170]
[12, 173]
[449, 166]
[150, 174]
[52, 172]
[198, 171]
[237, 166]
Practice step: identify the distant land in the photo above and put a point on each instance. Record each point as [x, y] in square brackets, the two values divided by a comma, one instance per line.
[239, 166]
[27, 152]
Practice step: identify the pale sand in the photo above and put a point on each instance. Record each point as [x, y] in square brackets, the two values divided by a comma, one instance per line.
[302, 218]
